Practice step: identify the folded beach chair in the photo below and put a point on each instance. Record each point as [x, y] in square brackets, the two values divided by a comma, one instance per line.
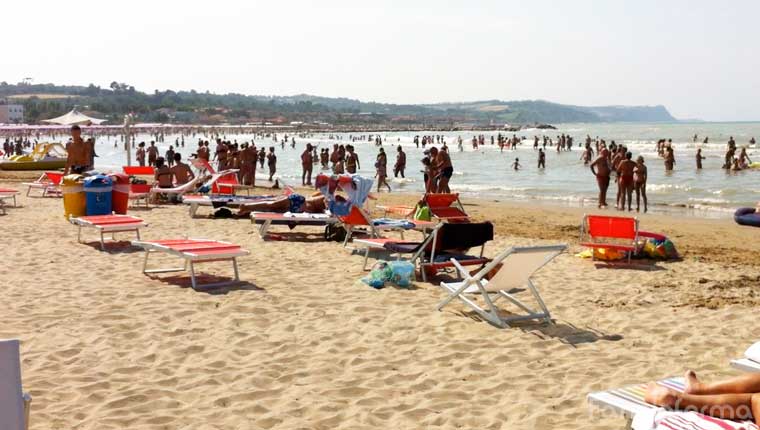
[446, 207]
[108, 224]
[751, 360]
[194, 251]
[518, 266]
[14, 403]
[610, 232]
[629, 402]
[48, 182]
[179, 190]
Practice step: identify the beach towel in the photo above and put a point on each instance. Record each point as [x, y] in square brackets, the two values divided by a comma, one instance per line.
[397, 223]
[661, 419]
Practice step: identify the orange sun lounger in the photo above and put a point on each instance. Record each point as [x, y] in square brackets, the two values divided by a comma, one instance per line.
[48, 182]
[108, 224]
[194, 251]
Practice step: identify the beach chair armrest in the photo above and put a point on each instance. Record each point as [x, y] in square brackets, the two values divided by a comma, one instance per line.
[462, 271]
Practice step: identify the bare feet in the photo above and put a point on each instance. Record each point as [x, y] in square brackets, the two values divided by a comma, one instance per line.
[658, 395]
[692, 384]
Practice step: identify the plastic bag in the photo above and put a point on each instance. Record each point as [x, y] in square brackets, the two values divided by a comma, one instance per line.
[402, 273]
[422, 213]
[399, 273]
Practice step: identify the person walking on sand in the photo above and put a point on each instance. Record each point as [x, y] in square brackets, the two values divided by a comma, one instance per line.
[381, 168]
[625, 179]
[601, 169]
[400, 165]
[640, 182]
[271, 163]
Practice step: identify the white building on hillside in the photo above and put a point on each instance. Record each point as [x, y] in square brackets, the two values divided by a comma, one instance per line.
[11, 114]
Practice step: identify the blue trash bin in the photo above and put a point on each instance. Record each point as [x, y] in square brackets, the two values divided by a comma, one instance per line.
[98, 194]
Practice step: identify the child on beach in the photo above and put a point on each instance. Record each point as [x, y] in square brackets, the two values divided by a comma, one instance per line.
[516, 164]
[640, 182]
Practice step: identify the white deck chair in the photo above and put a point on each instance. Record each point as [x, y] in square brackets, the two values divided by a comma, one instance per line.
[751, 360]
[14, 404]
[520, 263]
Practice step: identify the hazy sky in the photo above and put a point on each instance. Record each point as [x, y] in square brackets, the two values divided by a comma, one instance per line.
[698, 58]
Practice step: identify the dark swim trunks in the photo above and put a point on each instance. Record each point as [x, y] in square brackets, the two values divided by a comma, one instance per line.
[296, 203]
[447, 172]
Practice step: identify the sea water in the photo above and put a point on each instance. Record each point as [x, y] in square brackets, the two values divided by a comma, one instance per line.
[487, 173]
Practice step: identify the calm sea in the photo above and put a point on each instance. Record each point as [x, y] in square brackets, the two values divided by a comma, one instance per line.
[486, 172]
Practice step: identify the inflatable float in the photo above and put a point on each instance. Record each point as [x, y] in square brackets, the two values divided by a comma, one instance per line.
[747, 216]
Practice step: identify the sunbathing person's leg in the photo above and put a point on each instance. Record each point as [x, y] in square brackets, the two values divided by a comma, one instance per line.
[749, 383]
[281, 205]
[729, 406]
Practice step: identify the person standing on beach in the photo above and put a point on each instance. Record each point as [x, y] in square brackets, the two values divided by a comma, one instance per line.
[700, 157]
[601, 169]
[152, 154]
[79, 153]
[640, 182]
[381, 168]
[400, 165]
[271, 163]
[307, 164]
[141, 154]
[541, 159]
[352, 160]
[445, 169]
[625, 180]
[670, 159]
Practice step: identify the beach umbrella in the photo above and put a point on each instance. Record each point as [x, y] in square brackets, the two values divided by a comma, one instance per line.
[74, 118]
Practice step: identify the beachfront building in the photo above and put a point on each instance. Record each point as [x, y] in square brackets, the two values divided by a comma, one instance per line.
[11, 114]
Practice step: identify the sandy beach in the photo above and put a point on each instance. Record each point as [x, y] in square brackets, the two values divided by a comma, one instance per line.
[304, 345]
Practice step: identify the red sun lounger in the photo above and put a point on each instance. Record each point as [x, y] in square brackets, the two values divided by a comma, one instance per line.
[108, 224]
[268, 219]
[194, 251]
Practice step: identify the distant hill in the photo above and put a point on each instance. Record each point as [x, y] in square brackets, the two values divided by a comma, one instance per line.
[43, 101]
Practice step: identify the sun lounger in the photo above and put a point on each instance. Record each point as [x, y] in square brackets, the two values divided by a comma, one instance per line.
[139, 192]
[14, 403]
[139, 170]
[108, 224]
[610, 232]
[359, 220]
[195, 201]
[518, 266]
[8, 194]
[268, 219]
[751, 360]
[194, 251]
[48, 182]
[179, 190]
[629, 402]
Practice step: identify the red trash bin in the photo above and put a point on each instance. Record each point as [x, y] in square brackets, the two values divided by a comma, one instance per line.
[120, 193]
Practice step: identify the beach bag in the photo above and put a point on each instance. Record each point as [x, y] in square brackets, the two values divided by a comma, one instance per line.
[335, 233]
[422, 213]
[379, 274]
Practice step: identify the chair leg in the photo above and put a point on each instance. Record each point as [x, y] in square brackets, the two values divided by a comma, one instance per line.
[192, 275]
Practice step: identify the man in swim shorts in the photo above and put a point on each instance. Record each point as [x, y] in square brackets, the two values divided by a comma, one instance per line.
[601, 169]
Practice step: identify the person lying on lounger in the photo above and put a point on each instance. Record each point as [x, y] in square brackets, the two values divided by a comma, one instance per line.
[294, 203]
[734, 399]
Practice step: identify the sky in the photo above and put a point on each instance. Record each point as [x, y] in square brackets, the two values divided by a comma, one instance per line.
[697, 58]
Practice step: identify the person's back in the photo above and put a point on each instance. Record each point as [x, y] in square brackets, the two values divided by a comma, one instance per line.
[163, 174]
[181, 171]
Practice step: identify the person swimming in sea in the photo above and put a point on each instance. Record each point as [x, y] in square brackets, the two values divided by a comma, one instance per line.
[516, 165]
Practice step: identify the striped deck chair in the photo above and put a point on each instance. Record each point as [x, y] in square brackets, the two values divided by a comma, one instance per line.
[629, 402]
[751, 360]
